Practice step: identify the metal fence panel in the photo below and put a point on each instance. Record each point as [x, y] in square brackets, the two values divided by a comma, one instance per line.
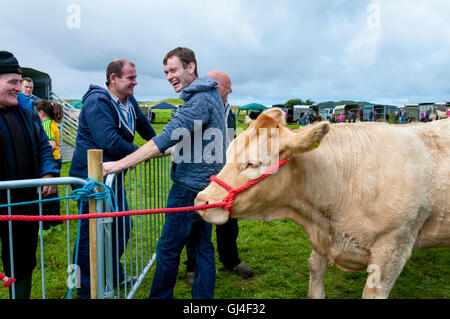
[144, 187]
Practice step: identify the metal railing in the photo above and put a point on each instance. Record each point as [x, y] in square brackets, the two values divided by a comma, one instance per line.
[144, 187]
[69, 125]
[8, 186]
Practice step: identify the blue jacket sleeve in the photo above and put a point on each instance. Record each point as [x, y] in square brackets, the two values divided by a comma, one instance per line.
[195, 110]
[102, 124]
[24, 101]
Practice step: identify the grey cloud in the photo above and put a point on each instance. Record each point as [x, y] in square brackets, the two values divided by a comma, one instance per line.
[273, 51]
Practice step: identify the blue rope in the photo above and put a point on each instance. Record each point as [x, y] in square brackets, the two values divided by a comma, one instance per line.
[69, 294]
[80, 194]
[86, 193]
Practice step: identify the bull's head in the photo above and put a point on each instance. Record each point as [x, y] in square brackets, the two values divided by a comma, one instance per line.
[265, 143]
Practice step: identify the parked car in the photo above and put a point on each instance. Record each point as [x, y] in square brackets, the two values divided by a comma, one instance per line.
[327, 114]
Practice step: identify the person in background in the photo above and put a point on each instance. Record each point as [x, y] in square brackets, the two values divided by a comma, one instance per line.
[227, 233]
[427, 116]
[24, 154]
[403, 116]
[26, 86]
[25, 98]
[108, 121]
[51, 113]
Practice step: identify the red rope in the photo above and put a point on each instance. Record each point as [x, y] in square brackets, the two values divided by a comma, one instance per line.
[226, 203]
[7, 281]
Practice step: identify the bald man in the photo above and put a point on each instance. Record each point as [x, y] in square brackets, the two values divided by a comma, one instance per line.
[227, 233]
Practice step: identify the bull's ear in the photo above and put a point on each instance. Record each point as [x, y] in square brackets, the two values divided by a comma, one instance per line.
[277, 114]
[248, 120]
[308, 139]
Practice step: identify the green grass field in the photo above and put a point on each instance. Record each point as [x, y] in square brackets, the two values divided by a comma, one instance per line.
[277, 252]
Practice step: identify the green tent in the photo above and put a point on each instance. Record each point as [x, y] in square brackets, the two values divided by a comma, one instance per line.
[251, 107]
[77, 104]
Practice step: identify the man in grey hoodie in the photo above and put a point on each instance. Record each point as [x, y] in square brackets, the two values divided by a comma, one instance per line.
[195, 158]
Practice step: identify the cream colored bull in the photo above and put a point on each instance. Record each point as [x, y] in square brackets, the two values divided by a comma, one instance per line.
[367, 197]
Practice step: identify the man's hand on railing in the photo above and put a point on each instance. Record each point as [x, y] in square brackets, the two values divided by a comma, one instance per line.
[148, 151]
[111, 167]
[49, 189]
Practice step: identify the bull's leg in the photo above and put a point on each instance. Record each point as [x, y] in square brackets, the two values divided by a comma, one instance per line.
[317, 268]
[387, 260]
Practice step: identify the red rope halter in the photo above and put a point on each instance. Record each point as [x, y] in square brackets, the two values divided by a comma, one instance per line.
[229, 199]
[7, 281]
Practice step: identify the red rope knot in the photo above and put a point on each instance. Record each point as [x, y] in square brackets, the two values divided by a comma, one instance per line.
[7, 281]
[229, 199]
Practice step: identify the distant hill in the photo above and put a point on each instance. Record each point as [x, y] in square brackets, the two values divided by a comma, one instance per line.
[173, 101]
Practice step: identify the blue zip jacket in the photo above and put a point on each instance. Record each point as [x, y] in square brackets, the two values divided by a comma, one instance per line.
[203, 104]
[100, 127]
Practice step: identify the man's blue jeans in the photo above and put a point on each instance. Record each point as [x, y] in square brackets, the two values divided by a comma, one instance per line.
[175, 232]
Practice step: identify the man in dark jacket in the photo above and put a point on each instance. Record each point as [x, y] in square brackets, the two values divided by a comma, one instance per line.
[200, 158]
[24, 154]
[108, 121]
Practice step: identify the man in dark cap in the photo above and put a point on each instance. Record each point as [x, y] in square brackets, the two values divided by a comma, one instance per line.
[24, 154]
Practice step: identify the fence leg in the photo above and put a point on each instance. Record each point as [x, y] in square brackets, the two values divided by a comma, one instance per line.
[95, 171]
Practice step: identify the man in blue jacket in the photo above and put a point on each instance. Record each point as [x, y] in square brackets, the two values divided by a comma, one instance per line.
[24, 154]
[202, 112]
[108, 121]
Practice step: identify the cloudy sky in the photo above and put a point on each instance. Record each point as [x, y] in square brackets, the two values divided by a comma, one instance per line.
[381, 51]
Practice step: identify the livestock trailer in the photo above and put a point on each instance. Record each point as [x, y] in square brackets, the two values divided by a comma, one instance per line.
[442, 106]
[412, 112]
[298, 111]
[424, 107]
[345, 108]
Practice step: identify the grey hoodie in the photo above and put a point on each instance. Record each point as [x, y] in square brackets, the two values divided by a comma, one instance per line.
[202, 110]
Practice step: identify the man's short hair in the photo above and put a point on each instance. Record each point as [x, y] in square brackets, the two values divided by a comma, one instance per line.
[116, 67]
[26, 79]
[186, 56]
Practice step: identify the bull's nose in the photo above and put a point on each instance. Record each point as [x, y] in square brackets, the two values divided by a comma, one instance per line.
[200, 200]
